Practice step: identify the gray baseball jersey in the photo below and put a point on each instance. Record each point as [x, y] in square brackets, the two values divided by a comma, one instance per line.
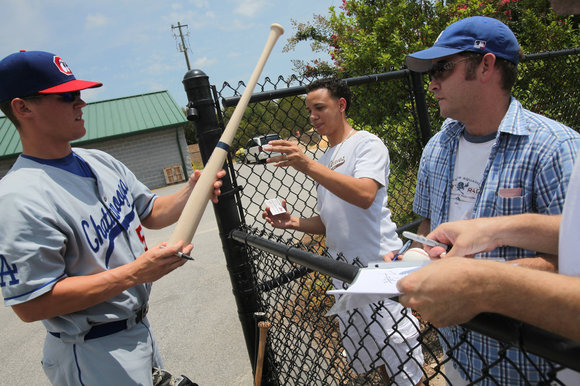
[62, 225]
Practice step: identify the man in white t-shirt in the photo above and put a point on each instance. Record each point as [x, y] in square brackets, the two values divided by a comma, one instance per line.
[352, 180]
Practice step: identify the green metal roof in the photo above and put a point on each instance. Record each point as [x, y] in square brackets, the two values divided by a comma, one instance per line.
[111, 118]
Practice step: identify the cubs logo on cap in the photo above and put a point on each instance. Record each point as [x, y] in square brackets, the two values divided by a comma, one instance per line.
[62, 66]
[37, 72]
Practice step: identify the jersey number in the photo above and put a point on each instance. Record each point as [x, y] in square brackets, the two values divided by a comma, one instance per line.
[141, 236]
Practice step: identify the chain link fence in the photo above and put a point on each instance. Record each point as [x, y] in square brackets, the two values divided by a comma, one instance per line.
[304, 346]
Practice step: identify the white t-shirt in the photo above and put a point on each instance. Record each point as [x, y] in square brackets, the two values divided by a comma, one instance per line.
[470, 161]
[365, 233]
[369, 234]
[568, 254]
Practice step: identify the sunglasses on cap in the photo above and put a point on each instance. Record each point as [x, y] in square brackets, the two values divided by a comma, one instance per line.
[67, 97]
[443, 68]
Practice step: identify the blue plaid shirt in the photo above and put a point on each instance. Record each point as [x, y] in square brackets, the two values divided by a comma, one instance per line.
[528, 171]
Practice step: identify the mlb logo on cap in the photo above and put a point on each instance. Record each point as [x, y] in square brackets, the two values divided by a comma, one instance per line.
[37, 72]
[479, 44]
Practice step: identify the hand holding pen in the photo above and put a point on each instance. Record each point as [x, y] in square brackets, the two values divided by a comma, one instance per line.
[403, 250]
[180, 254]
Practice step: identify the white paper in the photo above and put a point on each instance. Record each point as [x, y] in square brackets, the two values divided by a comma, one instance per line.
[372, 284]
[275, 206]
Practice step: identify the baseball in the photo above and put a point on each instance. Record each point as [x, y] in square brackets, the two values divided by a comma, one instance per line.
[415, 254]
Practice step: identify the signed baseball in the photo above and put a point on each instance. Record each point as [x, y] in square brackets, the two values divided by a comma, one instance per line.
[415, 254]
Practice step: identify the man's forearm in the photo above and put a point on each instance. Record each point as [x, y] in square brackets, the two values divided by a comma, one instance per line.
[531, 231]
[548, 300]
[536, 232]
[167, 209]
[77, 293]
[360, 192]
[312, 225]
[454, 290]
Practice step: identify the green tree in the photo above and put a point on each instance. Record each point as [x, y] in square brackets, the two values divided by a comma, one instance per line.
[372, 36]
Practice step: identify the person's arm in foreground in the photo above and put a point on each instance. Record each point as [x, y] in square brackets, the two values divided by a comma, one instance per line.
[77, 293]
[531, 231]
[167, 209]
[454, 290]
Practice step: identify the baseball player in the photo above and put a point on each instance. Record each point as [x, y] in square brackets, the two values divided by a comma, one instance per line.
[74, 255]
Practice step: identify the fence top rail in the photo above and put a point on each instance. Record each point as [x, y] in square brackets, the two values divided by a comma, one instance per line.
[299, 90]
[327, 266]
[550, 54]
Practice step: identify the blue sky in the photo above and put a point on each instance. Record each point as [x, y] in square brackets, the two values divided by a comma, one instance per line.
[129, 45]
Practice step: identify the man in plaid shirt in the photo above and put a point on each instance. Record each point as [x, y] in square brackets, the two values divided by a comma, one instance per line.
[491, 158]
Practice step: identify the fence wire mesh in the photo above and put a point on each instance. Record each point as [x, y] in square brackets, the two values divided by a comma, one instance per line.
[304, 346]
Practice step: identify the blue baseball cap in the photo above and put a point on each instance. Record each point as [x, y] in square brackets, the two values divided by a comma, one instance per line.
[37, 72]
[474, 34]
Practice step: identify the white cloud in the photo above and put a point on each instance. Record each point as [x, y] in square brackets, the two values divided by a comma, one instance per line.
[200, 3]
[249, 8]
[97, 20]
[204, 62]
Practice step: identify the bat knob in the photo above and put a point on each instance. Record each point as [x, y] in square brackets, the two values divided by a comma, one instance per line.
[277, 28]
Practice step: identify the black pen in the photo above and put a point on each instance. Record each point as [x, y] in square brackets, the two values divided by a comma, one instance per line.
[181, 254]
[403, 249]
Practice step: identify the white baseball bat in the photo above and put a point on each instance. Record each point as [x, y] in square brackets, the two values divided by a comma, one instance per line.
[201, 194]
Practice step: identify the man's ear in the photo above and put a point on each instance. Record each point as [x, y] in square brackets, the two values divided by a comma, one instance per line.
[20, 107]
[342, 104]
[488, 66]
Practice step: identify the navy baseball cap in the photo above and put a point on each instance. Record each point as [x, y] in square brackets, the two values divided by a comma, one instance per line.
[37, 72]
[474, 34]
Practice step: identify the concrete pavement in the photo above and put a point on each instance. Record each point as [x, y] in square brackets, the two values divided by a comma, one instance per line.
[192, 311]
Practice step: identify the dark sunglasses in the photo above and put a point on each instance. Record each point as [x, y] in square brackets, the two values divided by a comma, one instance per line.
[68, 97]
[441, 69]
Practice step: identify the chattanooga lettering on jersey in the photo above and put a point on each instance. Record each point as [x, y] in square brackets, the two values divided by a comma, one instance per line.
[110, 222]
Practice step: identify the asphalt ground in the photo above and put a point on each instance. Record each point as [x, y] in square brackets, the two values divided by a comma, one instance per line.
[192, 311]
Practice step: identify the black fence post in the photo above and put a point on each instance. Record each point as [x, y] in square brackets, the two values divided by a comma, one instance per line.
[421, 103]
[201, 110]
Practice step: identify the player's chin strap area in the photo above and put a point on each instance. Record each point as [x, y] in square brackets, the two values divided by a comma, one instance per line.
[106, 329]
